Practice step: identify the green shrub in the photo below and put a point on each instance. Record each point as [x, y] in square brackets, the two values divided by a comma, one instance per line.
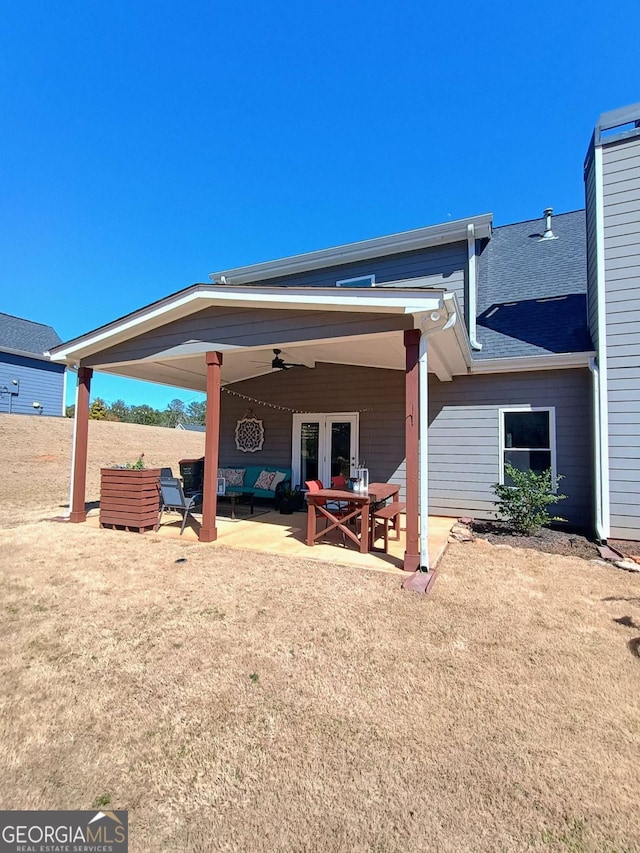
[137, 465]
[524, 505]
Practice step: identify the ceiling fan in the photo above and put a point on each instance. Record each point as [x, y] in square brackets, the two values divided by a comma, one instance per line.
[278, 363]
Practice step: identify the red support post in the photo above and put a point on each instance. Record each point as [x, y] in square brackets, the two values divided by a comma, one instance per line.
[412, 434]
[208, 531]
[80, 442]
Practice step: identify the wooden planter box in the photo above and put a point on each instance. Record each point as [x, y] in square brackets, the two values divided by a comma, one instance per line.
[129, 498]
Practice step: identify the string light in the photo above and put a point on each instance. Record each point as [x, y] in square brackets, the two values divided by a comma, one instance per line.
[262, 402]
[275, 405]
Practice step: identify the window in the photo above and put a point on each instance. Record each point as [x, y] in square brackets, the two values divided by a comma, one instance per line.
[527, 440]
[361, 281]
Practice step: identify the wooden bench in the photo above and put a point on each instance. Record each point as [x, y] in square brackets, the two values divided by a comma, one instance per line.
[385, 517]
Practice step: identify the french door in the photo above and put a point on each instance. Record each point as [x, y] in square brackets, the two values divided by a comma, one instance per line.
[324, 445]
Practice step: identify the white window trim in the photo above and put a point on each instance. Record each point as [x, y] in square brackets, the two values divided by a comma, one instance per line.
[552, 439]
[345, 282]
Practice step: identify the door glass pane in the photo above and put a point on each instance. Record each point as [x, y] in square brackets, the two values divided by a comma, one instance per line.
[341, 448]
[526, 429]
[309, 451]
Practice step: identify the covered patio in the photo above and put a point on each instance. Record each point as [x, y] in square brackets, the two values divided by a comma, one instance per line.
[210, 337]
[284, 535]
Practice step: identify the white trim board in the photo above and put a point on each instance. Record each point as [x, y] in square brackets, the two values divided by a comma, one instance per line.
[351, 282]
[603, 524]
[554, 361]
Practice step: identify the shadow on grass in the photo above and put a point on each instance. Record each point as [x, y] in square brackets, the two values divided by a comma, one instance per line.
[634, 647]
[89, 505]
[632, 599]
[627, 621]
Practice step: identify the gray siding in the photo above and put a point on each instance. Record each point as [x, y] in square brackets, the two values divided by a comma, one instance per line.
[464, 445]
[240, 327]
[621, 196]
[463, 434]
[442, 266]
[40, 381]
[377, 394]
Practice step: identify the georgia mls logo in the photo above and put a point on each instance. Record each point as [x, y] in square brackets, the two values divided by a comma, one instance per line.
[119, 830]
[64, 832]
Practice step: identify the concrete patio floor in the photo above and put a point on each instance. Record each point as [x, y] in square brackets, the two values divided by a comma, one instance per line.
[274, 533]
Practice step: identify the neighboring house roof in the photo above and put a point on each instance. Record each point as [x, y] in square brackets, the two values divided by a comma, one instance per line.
[531, 292]
[25, 336]
[191, 427]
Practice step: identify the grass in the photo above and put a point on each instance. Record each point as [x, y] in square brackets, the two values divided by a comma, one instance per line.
[238, 702]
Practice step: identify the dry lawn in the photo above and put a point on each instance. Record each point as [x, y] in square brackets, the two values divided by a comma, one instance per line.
[232, 702]
[35, 454]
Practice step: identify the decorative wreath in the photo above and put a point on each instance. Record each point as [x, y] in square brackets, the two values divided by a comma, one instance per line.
[249, 435]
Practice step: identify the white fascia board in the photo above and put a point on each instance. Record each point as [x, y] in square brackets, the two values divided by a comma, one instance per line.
[378, 300]
[392, 300]
[555, 361]
[44, 356]
[404, 241]
[131, 325]
[452, 304]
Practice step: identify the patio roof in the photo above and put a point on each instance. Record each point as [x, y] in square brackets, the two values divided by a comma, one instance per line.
[165, 342]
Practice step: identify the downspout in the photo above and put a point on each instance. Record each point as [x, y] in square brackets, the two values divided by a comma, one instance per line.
[472, 294]
[597, 467]
[423, 436]
[65, 383]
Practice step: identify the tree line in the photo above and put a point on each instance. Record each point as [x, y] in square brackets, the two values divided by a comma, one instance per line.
[177, 412]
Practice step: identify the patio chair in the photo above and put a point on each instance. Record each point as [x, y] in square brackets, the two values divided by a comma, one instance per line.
[338, 482]
[173, 498]
[337, 508]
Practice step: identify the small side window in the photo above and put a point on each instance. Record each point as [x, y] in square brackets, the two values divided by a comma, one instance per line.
[361, 281]
[528, 441]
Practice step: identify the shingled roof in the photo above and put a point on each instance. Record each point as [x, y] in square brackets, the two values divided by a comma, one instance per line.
[532, 292]
[26, 336]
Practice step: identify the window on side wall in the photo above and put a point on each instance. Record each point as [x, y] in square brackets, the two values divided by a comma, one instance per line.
[527, 440]
[360, 281]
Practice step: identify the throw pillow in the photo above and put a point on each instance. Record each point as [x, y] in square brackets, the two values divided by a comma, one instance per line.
[264, 480]
[233, 476]
[278, 478]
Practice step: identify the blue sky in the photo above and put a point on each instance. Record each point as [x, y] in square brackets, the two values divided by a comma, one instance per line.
[146, 144]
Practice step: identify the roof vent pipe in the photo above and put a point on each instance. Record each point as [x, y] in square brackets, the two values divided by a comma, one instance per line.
[548, 231]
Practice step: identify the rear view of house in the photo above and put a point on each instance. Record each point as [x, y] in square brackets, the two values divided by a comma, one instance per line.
[436, 356]
[30, 383]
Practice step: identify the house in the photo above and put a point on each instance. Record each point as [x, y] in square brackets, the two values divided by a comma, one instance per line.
[435, 356]
[30, 383]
